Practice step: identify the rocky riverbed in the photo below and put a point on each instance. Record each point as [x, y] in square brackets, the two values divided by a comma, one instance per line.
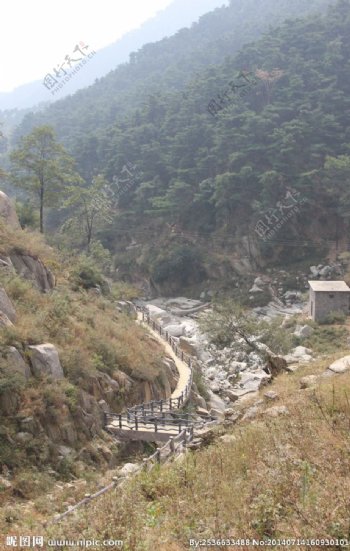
[229, 374]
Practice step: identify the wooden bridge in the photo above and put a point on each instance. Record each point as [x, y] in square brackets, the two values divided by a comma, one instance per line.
[160, 420]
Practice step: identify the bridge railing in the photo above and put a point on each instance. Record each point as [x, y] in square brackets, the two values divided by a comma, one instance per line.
[171, 448]
[169, 404]
[161, 424]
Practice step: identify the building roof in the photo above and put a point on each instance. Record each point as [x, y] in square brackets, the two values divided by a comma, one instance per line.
[329, 286]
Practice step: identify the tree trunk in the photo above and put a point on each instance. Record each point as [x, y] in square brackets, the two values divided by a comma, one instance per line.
[41, 206]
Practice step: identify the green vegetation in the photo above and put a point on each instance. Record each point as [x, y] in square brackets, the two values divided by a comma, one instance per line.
[43, 168]
[228, 321]
[207, 181]
[275, 478]
[97, 346]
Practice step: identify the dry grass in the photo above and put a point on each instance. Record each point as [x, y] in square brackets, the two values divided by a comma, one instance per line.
[280, 477]
[27, 242]
[91, 337]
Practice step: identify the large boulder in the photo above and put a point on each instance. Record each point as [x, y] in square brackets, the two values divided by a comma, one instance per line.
[174, 330]
[189, 346]
[276, 364]
[303, 331]
[33, 269]
[158, 314]
[8, 212]
[126, 307]
[340, 366]
[6, 306]
[17, 363]
[9, 403]
[300, 354]
[45, 361]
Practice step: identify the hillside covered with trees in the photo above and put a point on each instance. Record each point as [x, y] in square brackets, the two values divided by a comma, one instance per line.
[239, 154]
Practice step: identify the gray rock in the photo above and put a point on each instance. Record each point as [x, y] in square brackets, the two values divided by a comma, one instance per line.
[34, 270]
[271, 395]
[65, 451]
[299, 354]
[214, 386]
[211, 373]
[251, 412]
[303, 331]
[340, 366]
[9, 403]
[276, 411]
[17, 363]
[6, 306]
[189, 346]
[184, 303]
[202, 411]
[126, 307]
[216, 413]
[326, 271]
[216, 402]
[308, 382]
[4, 321]
[174, 330]
[23, 437]
[128, 469]
[29, 424]
[8, 212]
[104, 406]
[45, 361]
[255, 289]
[292, 296]
[236, 394]
[237, 367]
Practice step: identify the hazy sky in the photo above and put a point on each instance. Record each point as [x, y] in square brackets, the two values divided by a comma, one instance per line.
[36, 35]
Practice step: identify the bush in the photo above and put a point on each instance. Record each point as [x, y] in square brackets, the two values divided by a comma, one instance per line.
[27, 215]
[86, 274]
[334, 317]
[101, 256]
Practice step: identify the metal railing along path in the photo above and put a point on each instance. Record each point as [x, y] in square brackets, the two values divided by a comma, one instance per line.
[154, 416]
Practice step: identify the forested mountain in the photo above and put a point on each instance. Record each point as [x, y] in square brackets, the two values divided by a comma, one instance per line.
[179, 14]
[167, 65]
[259, 176]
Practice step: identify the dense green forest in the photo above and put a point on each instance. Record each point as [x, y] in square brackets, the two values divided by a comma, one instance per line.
[221, 164]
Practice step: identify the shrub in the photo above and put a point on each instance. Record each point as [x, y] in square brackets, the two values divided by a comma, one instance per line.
[86, 274]
[27, 215]
[333, 317]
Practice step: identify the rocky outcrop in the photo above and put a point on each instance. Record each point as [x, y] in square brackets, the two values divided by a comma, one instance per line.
[326, 272]
[8, 212]
[126, 307]
[6, 306]
[17, 363]
[4, 321]
[45, 361]
[340, 366]
[9, 403]
[303, 331]
[275, 364]
[34, 270]
[299, 354]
